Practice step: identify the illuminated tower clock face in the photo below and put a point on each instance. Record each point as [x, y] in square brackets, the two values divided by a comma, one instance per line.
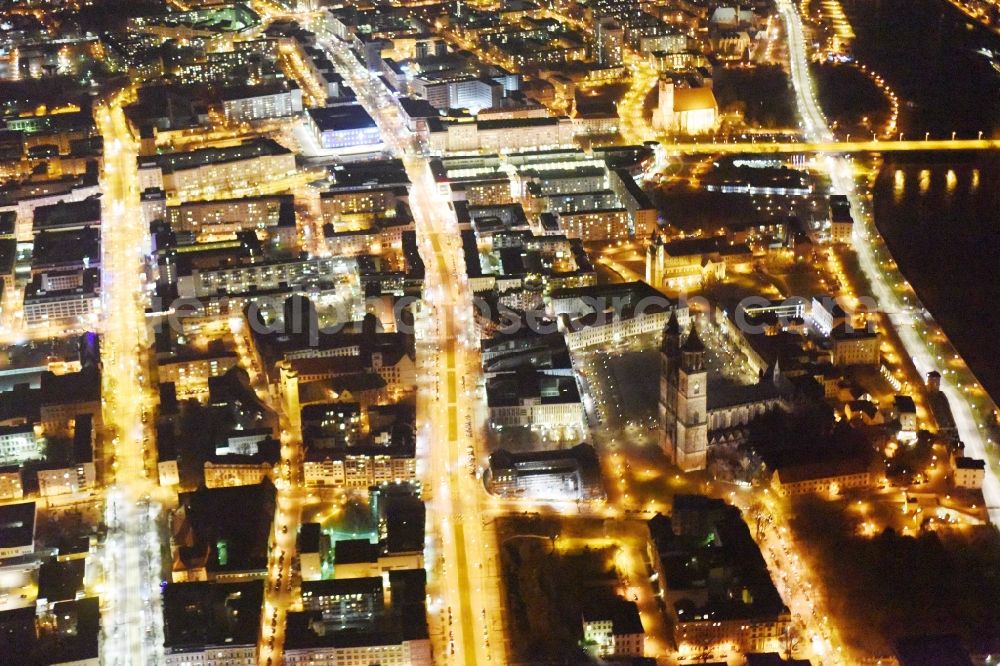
[696, 388]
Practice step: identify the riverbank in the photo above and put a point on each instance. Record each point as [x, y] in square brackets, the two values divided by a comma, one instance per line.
[938, 215]
[927, 51]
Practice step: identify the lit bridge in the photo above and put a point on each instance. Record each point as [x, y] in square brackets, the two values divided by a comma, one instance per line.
[832, 146]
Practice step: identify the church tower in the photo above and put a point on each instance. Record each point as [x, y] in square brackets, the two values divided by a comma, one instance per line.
[683, 398]
[670, 350]
[654, 260]
[663, 117]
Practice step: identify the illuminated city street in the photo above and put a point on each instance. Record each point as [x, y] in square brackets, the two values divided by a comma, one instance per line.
[423, 334]
[132, 619]
[902, 310]
[902, 316]
[466, 584]
[632, 107]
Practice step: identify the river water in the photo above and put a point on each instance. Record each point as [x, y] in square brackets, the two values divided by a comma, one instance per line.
[941, 218]
[940, 213]
[931, 55]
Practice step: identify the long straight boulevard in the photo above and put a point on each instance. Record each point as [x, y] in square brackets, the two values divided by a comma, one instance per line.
[469, 600]
[454, 496]
[499, 333]
[132, 621]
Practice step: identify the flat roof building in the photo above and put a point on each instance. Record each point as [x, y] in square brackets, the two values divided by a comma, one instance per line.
[72, 249]
[557, 474]
[344, 127]
[63, 297]
[67, 215]
[217, 622]
[260, 102]
[223, 532]
[204, 172]
[714, 578]
[17, 529]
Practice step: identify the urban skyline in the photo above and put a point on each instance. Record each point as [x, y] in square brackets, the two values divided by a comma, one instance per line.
[499, 332]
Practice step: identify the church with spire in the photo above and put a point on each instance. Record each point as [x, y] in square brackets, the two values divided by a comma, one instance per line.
[699, 413]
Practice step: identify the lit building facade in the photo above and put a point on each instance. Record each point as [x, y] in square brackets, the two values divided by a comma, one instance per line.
[11, 484]
[210, 173]
[405, 653]
[18, 444]
[686, 110]
[823, 478]
[969, 473]
[259, 277]
[190, 374]
[62, 298]
[501, 135]
[66, 480]
[223, 473]
[260, 103]
[225, 217]
[607, 224]
[855, 348]
[357, 469]
[344, 127]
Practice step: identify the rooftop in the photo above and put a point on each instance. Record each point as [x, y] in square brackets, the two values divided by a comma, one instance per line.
[344, 117]
[969, 463]
[17, 525]
[693, 99]
[306, 630]
[309, 540]
[512, 388]
[36, 292]
[60, 581]
[179, 161]
[74, 639]
[71, 247]
[710, 245]
[623, 293]
[405, 517]
[259, 90]
[342, 586]
[710, 555]
[67, 214]
[905, 404]
[72, 387]
[231, 525]
[581, 454]
[199, 615]
[354, 551]
[418, 108]
[823, 469]
[624, 615]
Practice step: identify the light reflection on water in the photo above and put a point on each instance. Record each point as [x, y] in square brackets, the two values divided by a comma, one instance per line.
[941, 216]
[933, 183]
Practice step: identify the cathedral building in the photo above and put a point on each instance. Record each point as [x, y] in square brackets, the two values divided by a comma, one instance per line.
[698, 415]
[684, 109]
